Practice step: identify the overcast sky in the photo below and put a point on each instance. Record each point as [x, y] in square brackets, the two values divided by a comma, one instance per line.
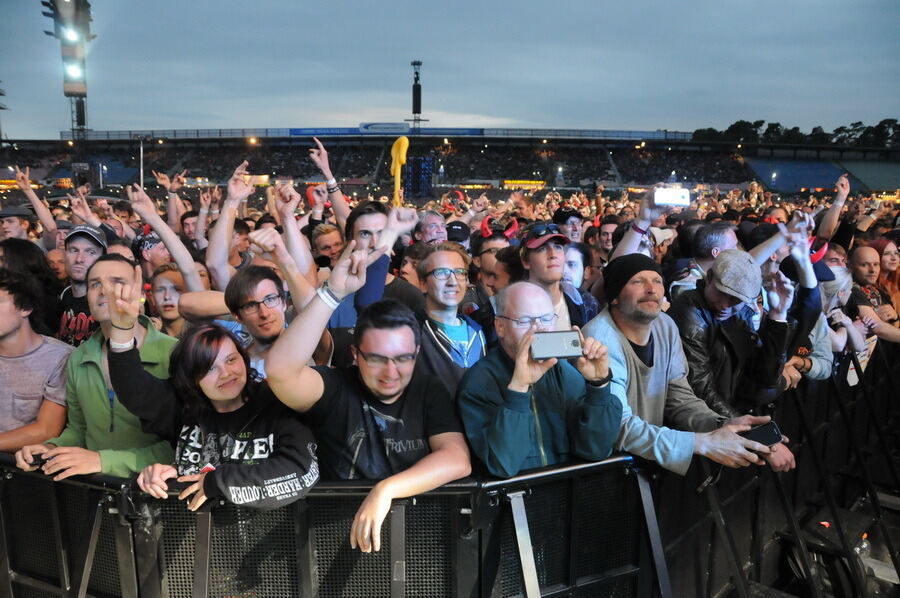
[650, 64]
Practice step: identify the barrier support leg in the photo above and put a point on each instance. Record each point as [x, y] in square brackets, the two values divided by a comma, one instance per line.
[523, 540]
[398, 549]
[201, 554]
[128, 582]
[306, 559]
[653, 536]
[715, 505]
[62, 552]
[812, 583]
[85, 559]
[5, 572]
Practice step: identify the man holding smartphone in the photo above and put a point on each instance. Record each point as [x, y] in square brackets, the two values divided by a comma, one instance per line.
[520, 413]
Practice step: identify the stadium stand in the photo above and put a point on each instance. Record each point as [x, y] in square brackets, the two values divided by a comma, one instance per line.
[876, 176]
[790, 176]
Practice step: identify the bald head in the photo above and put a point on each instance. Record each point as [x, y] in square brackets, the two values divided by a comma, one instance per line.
[514, 303]
[865, 264]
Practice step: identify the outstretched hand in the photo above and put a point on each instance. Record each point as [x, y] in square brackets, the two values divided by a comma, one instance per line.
[23, 179]
[141, 202]
[319, 156]
[239, 188]
[348, 273]
[124, 301]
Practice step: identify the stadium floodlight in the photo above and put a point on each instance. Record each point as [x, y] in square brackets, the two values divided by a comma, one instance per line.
[70, 34]
[74, 71]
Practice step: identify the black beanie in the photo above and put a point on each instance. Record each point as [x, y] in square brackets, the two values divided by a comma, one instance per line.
[619, 271]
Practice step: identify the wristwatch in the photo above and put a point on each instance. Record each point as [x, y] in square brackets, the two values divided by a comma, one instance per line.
[602, 381]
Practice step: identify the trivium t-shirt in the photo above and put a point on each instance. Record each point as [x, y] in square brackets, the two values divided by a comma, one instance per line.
[76, 324]
[360, 437]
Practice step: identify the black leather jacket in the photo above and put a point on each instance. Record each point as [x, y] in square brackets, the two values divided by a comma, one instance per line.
[730, 366]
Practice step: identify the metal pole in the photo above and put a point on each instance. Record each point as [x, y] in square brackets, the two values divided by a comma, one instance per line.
[142, 162]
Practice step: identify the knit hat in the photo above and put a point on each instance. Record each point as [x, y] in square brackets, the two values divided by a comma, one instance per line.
[619, 271]
[736, 274]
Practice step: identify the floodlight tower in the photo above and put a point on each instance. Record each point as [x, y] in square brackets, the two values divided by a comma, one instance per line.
[416, 97]
[2, 107]
[72, 27]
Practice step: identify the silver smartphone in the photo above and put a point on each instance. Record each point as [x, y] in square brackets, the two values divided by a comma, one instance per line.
[562, 345]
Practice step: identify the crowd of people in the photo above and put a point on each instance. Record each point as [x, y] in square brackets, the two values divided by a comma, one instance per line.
[250, 353]
[646, 165]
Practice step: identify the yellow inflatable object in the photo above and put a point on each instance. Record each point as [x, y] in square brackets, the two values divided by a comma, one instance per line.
[398, 159]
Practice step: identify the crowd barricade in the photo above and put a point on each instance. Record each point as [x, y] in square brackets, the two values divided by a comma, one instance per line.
[585, 529]
[578, 529]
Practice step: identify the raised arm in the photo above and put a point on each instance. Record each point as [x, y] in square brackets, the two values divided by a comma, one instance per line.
[220, 239]
[143, 206]
[23, 181]
[209, 206]
[287, 199]
[174, 208]
[269, 241]
[339, 205]
[294, 383]
[631, 240]
[832, 217]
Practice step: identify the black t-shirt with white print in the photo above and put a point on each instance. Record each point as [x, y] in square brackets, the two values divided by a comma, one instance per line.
[361, 437]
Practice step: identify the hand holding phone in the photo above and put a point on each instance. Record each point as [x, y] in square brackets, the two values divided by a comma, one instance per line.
[767, 434]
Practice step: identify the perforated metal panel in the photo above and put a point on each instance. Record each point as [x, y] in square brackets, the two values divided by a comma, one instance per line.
[343, 572]
[179, 542]
[430, 547]
[27, 505]
[253, 553]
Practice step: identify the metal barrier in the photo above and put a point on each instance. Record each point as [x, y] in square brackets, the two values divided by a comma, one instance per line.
[586, 529]
[575, 530]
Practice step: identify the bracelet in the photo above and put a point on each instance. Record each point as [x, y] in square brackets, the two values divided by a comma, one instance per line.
[637, 229]
[171, 192]
[120, 328]
[334, 189]
[214, 211]
[122, 346]
[327, 296]
[602, 381]
[332, 182]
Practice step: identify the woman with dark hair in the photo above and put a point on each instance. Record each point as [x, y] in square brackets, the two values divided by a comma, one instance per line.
[233, 439]
[27, 258]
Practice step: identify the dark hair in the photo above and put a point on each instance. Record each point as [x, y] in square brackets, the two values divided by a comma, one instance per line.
[188, 214]
[245, 282]
[241, 227]
[610, 219]
[264, 219]
[109, 257]
[509, 257]
[121, 243]
[710, 236]
[363, 209]
[389, 314]
[585, 252]
[23, 289]
[191, 360]
[26, 258]
[123, 205]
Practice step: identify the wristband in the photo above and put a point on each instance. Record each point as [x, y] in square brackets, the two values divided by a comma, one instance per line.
[120, 328]
[327, 296]
[637, 229]
[332, 182]
[171, 192]
[122, 346]
[602, 381]
[334, 189]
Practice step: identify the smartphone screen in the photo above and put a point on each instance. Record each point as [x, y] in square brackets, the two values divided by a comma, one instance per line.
[672, 197]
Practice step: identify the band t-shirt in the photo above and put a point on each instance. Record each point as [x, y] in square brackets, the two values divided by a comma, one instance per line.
[361, 437]
[76, 324]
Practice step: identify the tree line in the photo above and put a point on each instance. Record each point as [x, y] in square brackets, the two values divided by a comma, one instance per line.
[885, 134]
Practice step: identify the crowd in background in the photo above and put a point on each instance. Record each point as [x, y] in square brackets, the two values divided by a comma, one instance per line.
[249, 351]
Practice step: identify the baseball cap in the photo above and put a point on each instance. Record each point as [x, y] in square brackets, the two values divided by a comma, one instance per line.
[457, 231]
[17, 211]
[92, 232]
[562, 214]
[538, 234]
[736, 274]
[146, 241]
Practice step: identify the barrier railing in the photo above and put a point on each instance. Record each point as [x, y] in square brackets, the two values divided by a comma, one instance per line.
[579, 528]
[586, 529]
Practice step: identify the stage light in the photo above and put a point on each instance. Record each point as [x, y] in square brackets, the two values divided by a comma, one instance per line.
[71, 143]
[73, 71]
[160, 141]
[70, 34]
[252, 141]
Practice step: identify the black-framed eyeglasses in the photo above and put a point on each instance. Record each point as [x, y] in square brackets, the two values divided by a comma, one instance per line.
[382, 360]
[546, 321]
[544, 228]
[444, 273]
[270, 301]
[492, 250]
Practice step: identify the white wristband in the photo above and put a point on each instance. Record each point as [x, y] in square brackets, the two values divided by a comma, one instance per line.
[331, 182]
[327, 298]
